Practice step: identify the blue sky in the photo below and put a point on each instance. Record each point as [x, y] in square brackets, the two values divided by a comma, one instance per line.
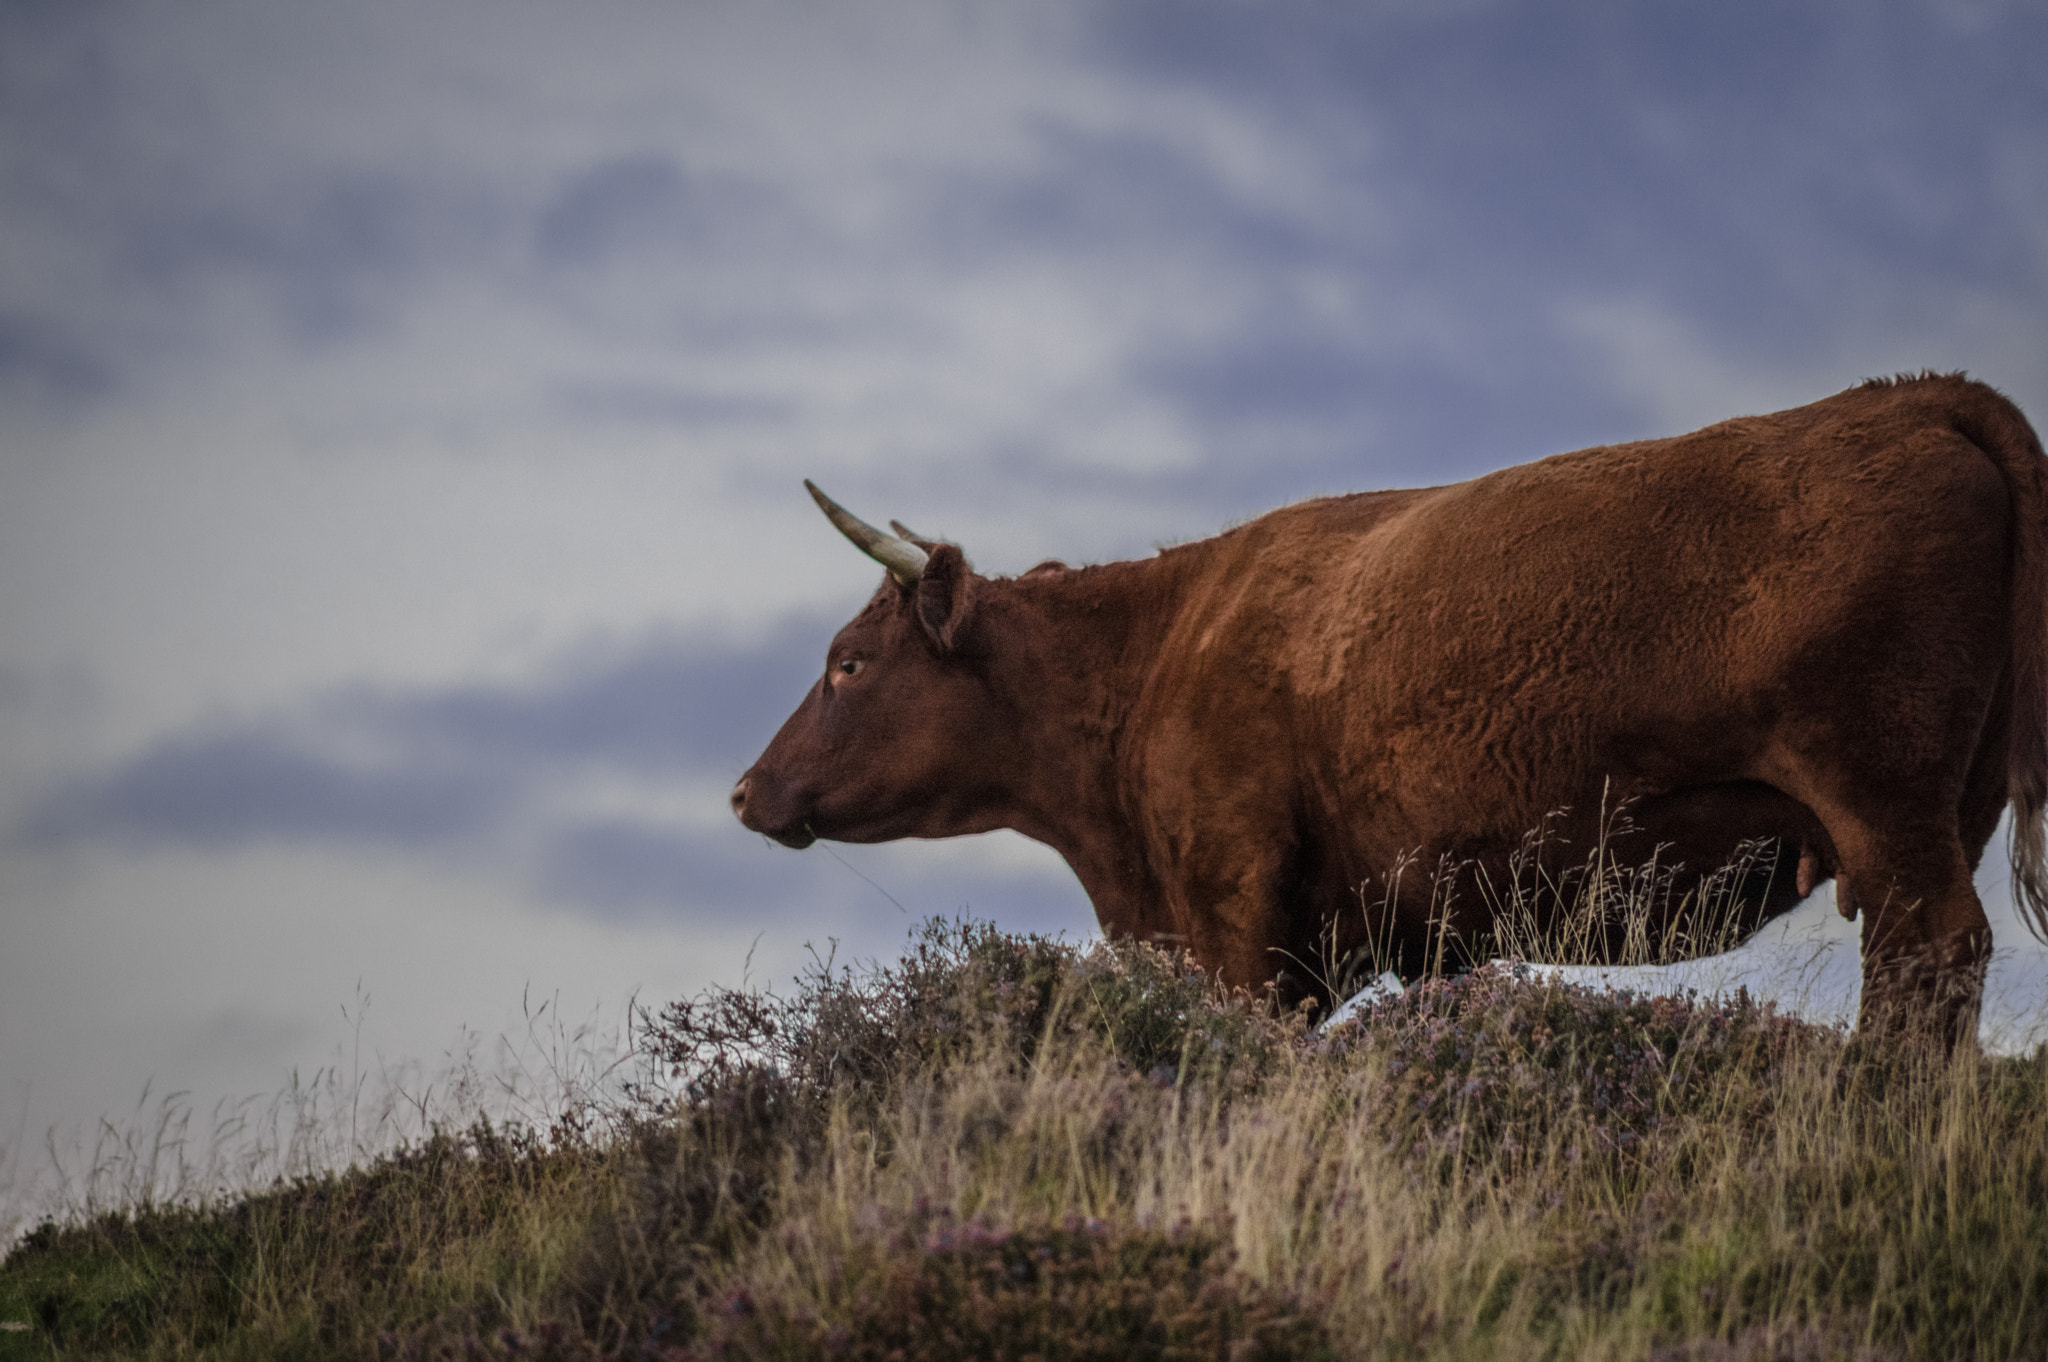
[403, 407]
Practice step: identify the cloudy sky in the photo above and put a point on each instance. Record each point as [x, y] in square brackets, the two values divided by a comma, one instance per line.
[403, 407]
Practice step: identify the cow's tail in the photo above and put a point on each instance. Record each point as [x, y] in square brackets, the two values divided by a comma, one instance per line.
[1996, 426]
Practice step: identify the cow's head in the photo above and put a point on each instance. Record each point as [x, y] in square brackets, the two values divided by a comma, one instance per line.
[902, 736]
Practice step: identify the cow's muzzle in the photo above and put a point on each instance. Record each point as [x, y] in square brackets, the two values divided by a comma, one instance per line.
[757, 812]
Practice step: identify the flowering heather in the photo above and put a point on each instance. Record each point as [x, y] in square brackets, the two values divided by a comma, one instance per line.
[1485, 1054]
[1084, 1289]
[961, 989]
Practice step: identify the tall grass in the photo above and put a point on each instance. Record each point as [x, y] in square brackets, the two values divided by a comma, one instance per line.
[172, 1151]
[1597, 908]
[1005, 1146]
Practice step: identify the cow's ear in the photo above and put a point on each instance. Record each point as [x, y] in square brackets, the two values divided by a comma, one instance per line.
[945, 596]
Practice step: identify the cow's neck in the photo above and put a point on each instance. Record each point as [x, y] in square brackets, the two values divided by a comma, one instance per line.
[1095, 635]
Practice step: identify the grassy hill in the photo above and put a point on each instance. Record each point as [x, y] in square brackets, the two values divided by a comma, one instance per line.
[1008, 1147]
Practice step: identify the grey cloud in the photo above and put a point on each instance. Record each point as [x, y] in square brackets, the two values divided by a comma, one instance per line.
[1784, 179]
[634, 196]
[332, 251]
[626, 871]
[234, 788]
[1287, 368]
[1790, 182]
[1365, 409]
[624, 868]
[1093, 194]
[344, 227]
[669, 704]
[656, 405]
[442, 770]
[1748, 157]
[621, 867]
[140, 193]
[649, 202]
[41, 362]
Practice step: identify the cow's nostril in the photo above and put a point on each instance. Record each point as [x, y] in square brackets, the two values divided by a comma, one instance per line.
[739, 797]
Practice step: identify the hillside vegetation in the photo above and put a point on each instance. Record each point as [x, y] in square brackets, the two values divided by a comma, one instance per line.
[1010, 1147]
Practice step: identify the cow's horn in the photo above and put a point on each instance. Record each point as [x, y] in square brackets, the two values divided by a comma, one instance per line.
[904, 560]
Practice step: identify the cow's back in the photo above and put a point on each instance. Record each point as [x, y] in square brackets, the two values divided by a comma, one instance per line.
[1468, 659]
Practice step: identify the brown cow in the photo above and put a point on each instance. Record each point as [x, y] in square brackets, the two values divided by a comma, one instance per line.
[1822, 632]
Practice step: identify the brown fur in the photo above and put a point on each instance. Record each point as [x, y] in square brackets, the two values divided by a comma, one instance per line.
[1826, 628]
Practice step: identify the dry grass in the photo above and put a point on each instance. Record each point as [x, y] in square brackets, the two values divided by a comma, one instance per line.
[1008, 1147]
[1617, 913]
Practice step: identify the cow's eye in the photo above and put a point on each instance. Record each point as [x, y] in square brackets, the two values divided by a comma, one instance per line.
[849, 665]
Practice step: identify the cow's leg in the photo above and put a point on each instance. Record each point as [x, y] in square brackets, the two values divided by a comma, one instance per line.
[1241, 937]
[1244, 916]
[1986, 784]
[1926, 940]
[1231, 861]
[1905, 788]
[1924, 956]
